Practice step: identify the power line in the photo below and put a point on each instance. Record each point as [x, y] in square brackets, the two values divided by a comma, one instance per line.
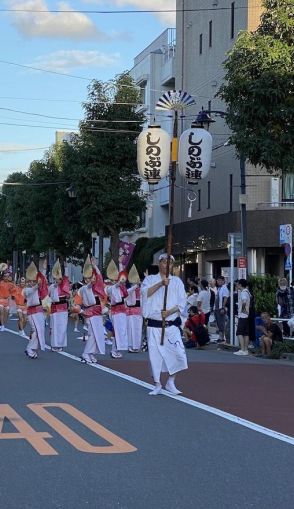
[67, 128]
[46, 99]
[201, 85]
[68, 118]
[22, 149]
[46, 70]
[131, 11]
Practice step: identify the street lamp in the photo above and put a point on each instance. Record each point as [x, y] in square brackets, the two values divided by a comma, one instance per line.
[204, 118]
[156, 155]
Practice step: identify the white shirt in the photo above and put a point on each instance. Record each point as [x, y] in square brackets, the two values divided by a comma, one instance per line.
[192, 300]
[176, 296]
[88, 297]
[32, 295]
[243, 298]
[204, 299]
[222, 292]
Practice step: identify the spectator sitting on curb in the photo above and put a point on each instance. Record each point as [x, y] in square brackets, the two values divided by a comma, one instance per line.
[271, 334]
[195, 331]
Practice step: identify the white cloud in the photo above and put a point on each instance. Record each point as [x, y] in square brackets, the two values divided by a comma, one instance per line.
[168, 18]
[63, 25]
[65, 60]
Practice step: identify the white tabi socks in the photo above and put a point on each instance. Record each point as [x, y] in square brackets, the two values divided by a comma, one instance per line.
[170, 386]
[156, 390]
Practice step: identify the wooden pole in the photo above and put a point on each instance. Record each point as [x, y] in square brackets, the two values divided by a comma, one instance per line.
[174, 158]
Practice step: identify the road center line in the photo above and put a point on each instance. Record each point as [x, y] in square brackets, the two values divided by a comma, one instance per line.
[196, 404]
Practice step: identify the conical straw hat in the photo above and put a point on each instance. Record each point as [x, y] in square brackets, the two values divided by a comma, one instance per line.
[56, 270]
[3, 267]
[88, 269]
[31, 272]
[134, 275]
[112, 271]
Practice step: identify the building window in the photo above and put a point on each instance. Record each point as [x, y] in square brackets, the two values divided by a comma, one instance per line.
[210, 34]
[143, 90]
[200, 44]
[231, 192]
[199, 200]
[288, 187]
[232, 20]
[142, 219]
[208, 194]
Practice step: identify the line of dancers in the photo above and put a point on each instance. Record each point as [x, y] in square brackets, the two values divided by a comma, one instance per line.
[35, 301]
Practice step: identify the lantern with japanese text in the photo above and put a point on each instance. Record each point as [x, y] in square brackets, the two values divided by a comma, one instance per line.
[153, 154]
[195, 150]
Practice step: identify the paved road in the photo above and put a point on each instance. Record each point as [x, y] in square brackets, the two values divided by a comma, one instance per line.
[139, 451]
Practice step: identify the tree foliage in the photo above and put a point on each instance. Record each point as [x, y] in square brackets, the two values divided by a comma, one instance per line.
[99, 164]
[259, 89]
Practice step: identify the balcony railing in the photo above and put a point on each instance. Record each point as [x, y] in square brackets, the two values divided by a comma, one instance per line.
[274, 205]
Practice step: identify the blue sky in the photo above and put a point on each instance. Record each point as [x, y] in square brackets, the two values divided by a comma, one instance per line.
[86, 45]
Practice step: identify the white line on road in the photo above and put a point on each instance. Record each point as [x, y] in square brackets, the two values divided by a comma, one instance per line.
[202, 406]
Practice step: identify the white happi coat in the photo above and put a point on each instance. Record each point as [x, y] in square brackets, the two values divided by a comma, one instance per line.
[170, 356]
[58, 321]
[134, 318]
[96, 341]
[36, 320]
[119, 319]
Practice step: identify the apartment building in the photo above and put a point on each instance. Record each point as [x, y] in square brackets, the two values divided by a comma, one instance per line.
[206, 30]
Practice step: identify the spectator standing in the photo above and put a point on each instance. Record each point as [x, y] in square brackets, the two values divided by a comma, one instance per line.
[192, 296]
[243, 317]
[220, 307]
[203, 300]
[283, 298]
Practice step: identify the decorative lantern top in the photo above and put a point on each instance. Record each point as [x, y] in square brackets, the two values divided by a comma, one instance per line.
[174, 100]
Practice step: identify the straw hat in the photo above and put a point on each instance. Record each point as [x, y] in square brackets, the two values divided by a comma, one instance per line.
[88, 268]
[134, 275]
[112, 271]
[31, 272]
[56, 270]
[3, 267]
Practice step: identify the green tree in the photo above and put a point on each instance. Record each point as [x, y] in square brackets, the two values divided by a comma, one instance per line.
[105, 170]
[259, 89]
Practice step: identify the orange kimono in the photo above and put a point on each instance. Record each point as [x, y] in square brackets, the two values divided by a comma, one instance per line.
[19, 298]
[6, 289]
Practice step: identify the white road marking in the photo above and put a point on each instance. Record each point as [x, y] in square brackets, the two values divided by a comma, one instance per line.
[202, 406]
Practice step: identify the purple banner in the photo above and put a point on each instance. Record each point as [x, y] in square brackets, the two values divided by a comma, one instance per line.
[126, 250]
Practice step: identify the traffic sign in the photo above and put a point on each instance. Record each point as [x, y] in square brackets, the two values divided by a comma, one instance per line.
[242, 262]
[285, 234]
[235, 239]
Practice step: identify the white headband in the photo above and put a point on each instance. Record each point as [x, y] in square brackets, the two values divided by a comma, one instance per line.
[164, 256]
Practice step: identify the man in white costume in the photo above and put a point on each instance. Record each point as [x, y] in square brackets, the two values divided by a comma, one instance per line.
[34, 293]
[59, 293]
[134, 315]
[93, 297]
[171, 356]
[117, 294]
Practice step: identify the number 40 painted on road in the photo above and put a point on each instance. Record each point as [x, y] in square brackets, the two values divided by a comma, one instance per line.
[38, 439]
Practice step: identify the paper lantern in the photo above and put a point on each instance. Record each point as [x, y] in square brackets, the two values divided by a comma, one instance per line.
[195, 154]
[153, 154]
